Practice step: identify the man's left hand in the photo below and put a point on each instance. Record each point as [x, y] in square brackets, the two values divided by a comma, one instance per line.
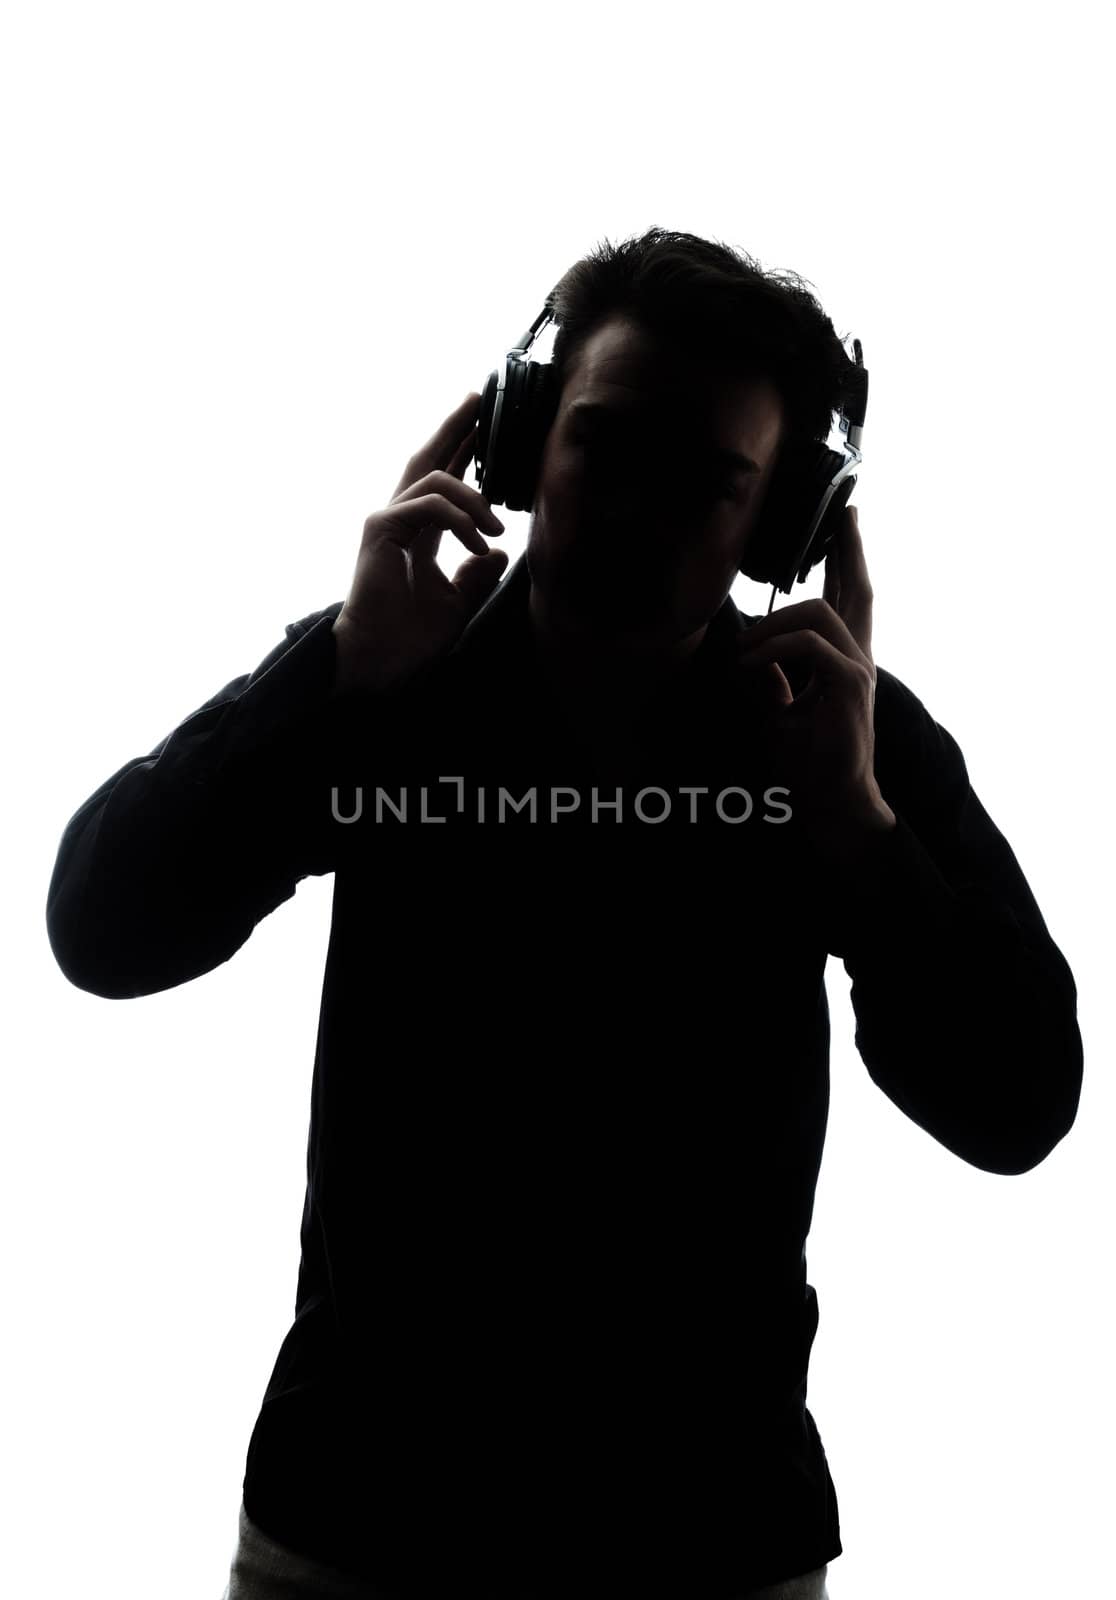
[821, 741]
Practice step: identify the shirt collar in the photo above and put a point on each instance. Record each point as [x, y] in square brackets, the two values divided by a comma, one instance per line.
[494, 663]
[503, 625]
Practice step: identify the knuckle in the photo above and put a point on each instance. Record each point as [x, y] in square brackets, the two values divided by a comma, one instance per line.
[445, 485]
[446, 509]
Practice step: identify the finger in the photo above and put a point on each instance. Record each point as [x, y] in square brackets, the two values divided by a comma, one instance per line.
[423, 551]
[477, 576]
[856, 586]
[461, 494]
[831, 667]
[442, 445]
[413, 520]
[818, 615]
[463, 455]
[468, 503]
[425, 546]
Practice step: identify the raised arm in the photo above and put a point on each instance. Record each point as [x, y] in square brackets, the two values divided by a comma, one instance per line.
[163, 872]
[966, 1009]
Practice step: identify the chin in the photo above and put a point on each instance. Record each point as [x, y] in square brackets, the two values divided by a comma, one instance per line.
[635, 600]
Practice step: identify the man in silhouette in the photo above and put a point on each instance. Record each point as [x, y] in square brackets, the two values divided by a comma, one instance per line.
[552, 1325]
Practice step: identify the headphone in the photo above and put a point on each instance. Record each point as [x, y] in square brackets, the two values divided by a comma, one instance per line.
[805, 501]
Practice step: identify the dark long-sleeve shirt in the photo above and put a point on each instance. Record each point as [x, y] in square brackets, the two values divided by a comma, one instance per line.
[552, 1325]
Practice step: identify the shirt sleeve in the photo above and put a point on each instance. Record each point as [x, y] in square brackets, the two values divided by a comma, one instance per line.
[165, 870]
[966, 1009]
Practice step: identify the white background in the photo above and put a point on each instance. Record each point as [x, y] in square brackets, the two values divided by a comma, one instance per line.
[253, 256]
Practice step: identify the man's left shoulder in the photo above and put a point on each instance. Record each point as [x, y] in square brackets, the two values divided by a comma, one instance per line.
[919, 765]
[892, 692]
[897, 708]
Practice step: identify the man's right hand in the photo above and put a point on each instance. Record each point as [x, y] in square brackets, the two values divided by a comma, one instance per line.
[402, 611]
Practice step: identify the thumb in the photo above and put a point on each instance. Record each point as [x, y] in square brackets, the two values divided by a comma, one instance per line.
[477, 577]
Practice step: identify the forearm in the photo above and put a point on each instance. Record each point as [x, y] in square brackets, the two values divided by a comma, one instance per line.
[966, 1012]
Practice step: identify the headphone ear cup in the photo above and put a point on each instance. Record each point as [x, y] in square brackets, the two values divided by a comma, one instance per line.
[829, 528]
[534, 417]
[777, 551]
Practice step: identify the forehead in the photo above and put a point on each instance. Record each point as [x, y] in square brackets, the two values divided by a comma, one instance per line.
[626, 366]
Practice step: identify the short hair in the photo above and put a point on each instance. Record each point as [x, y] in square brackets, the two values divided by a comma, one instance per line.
[717, 300]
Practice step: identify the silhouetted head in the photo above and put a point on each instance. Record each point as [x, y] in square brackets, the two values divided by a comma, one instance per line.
[673, 356]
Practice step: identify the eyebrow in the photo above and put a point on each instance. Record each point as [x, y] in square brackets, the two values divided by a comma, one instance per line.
[593, 408]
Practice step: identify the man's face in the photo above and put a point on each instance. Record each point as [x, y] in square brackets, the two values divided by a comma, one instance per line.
[641, 516]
